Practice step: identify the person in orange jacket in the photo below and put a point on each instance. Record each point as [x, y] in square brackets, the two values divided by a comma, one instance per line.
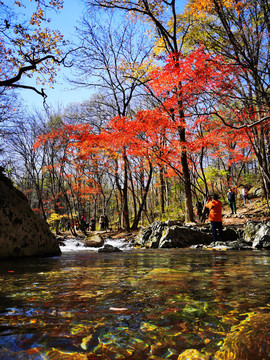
[215, 216]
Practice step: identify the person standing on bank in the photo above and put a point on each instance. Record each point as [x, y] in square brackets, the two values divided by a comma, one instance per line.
[102, 222]
[231, 197]
[199, 207]
[215, 216]
[106, 222]
[245, 195]
[93, 224]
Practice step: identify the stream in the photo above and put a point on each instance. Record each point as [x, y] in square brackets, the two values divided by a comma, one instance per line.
[135, 304]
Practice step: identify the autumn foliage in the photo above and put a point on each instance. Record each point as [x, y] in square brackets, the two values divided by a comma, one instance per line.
[192, 90]
[193, 108]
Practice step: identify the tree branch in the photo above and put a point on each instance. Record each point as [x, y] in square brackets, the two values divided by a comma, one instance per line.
[248, 126]
[12, 82]
[39, 92]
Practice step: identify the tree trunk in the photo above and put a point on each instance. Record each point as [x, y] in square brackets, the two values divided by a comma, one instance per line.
[126, 224]
[189, 214]
[143, 202]
[260, 145]
[162, 191]
[123, 194]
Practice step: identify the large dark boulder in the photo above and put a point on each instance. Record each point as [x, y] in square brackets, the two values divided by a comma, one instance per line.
[183, 236]
[171, 235]
[109, 249]
[22, 232]
[150, 236]
[253, 235]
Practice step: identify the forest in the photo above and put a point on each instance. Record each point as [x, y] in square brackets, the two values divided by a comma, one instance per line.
[178, 107]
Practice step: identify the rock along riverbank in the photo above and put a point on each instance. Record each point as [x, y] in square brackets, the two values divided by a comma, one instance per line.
[22, 232]
[170, 234]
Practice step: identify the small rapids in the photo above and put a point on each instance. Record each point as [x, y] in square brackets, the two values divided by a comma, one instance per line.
[74, 244]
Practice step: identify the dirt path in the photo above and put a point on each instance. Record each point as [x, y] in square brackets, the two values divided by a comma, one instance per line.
[254, 211]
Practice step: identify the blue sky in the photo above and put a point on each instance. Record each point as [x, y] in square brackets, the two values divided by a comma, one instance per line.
[62, 92]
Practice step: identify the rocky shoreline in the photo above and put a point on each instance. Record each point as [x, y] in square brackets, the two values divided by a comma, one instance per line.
[24, 234]
[253, 235]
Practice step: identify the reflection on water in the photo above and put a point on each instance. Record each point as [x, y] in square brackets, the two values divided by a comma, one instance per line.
[143, 304]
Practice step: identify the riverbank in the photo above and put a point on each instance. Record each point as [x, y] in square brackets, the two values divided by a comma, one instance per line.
[113, 234]
[256, 211]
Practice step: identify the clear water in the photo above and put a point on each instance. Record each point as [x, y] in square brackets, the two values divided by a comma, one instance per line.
[137, 304]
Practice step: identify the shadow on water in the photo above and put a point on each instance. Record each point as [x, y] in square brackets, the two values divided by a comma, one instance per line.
[138, 304]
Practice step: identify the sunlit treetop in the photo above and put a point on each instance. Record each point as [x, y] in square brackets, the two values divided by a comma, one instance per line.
[202, 8]
[177, 27]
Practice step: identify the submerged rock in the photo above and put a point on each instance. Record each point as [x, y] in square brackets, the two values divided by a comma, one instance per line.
[228, 245]
[22, 232]
[109, 248]
[193, 354]
[248, 340]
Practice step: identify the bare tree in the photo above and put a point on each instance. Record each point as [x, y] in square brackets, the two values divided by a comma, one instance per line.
[110, 52]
